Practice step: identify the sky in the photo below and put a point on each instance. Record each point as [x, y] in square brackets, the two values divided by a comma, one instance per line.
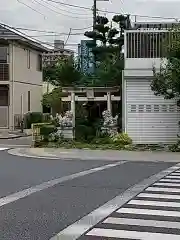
[59, 18]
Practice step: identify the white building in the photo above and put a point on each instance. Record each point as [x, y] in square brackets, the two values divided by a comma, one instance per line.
[147, 118]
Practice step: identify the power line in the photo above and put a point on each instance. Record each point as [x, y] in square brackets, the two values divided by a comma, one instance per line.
[57, 12]
[65, 10]
[36, 40]
[70, 5]
[105, 11]
[45, 31]
[68, 36]
[61, 34]
[31, 8]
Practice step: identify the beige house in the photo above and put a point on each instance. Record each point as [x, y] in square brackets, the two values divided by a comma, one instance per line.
[20, 76]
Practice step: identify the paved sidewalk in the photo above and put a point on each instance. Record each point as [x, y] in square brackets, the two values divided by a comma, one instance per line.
[22, 141]
[12, 135]
[69, 154]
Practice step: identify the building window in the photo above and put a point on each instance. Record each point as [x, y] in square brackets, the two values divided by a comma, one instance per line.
[3, 54]
[39, 62]
[28, 59]
[29, 101]
[4, 95]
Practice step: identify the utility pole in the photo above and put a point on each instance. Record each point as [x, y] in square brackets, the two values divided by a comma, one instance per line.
[94, 24]
[94, 14]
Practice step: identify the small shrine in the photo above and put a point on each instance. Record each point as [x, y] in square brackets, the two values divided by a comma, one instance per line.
[89, 94]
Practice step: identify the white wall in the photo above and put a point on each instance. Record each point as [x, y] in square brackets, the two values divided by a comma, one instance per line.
[26, 79]
[22, 80]
[21, 71]
[21, 92]
[140, 66]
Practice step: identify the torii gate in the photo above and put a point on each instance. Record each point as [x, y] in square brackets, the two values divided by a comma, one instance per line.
[72, 91]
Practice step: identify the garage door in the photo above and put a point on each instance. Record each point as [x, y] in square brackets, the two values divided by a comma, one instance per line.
[150, 119]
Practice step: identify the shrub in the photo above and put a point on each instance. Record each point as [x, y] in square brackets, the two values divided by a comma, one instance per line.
[32, 117]
[85, 133]
[175, 147]
[46, 117]
[122, 139]
[102, 138]
[46, 131]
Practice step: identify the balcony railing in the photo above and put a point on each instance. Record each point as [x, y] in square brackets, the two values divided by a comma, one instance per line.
[4, 72]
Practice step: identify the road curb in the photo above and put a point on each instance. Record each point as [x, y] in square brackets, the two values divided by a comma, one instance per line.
[16, 152]
[23, 152]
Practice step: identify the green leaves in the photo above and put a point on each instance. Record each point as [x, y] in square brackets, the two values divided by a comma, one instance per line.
[63, 73]
[52, 99]
[166, 82]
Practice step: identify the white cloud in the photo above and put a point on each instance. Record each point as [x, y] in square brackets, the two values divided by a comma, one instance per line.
[14, 13]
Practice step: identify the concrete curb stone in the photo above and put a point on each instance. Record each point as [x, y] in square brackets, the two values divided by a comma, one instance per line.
[106, 155]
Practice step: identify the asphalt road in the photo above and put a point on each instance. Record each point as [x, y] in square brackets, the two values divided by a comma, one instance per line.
[48, 210]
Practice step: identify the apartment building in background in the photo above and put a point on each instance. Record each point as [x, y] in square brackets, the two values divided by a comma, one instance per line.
[58, 53]
[20, 76]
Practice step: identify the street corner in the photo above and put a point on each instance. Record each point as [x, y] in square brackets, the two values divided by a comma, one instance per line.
[36, 153]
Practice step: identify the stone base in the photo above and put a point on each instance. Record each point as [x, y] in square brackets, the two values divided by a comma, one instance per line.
[110, 130]
[66, 133]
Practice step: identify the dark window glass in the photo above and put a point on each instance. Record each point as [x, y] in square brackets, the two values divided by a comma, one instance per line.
[39, 63]
[28, 59]
[29, 101]
[4, 96]
[3, 54]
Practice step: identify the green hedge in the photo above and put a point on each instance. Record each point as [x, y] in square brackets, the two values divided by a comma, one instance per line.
[35, 117]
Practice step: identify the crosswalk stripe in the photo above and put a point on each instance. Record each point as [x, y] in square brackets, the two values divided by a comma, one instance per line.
[158, 196]
[145, 220]
[142, 222]
[167, 184]
[149, 212]
[154, 203]
[172, 177]
[175, 174]
[170, 180]
[159, 189]
[112, 233]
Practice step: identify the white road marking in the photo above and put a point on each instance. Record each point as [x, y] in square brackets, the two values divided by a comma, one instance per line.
[170, 180]
[167, 184]
[149, 212]
[172, 177]
[175, 174]
[80, 227]
[2, 149]
[142, 222]
[158, 196]
[26, 192]
[112, 233]
[154, 203]
[159, 189]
